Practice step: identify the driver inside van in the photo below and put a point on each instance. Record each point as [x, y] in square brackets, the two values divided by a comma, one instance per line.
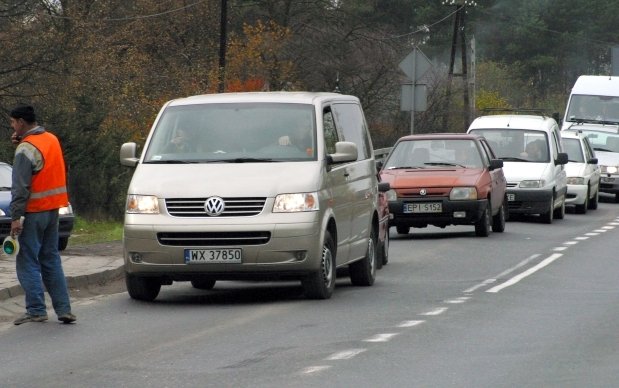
[183, 141]
[300, 137]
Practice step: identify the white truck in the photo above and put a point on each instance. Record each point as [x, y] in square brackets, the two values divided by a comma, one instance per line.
[593, 109]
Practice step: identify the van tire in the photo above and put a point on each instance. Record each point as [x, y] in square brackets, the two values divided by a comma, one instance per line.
[559, 213]
[482, 227]
[548, 216]
[142, 288]
[363, 272]
[384, 250]
[203, 284]
[320, 284]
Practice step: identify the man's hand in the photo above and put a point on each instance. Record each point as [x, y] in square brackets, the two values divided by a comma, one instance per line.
[15, 139]
[16, 228]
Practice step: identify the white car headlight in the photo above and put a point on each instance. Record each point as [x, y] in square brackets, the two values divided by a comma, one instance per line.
[297, 202]
[391, 195]
[142, 204]
[575, 180]
[610, 169]
[66, 210]
[463, 193]
[531, 184]
[2, 213]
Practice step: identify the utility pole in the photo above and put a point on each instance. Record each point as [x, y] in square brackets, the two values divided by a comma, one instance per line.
[459, 32]
[223, 40]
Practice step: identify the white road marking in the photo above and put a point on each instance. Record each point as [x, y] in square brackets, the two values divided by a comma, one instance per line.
[570, 243]
[437, 311]
[482, 284]
[526, 273]
[600, 230]
[502, 274]
[315, 369]
[381, 337]
[581, 238]
[608, 227]
[613, 223]
[409, 323]
[559, 248]
[345, 355]
[592, 234]
[459, 300]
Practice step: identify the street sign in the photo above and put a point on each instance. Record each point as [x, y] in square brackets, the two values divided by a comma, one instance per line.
[415, 65]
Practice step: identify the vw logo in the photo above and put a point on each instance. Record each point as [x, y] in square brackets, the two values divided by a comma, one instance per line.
[423, 192]
[214, 206]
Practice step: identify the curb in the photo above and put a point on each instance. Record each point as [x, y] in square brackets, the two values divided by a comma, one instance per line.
[72, 282]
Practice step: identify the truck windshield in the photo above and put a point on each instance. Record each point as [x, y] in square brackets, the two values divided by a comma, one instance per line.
[224, 133]
[585, 108]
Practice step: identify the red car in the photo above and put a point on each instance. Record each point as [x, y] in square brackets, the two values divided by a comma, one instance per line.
[445, 179]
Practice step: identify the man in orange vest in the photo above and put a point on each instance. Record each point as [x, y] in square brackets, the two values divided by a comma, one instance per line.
[39, 190]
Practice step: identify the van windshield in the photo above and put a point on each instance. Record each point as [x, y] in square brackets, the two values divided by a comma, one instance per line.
[518, 145]
[234, 133]
[593, 109]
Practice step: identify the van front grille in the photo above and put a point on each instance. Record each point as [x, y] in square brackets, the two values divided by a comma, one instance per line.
[234, 207]
[204, 239]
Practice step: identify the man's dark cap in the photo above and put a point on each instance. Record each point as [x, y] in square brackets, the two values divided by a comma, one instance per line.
[25, 112]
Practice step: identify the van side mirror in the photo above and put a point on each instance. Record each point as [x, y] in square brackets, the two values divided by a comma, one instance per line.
[383, 187]
[345, 151]
[127, 155]
[495, 163]
[561, 158]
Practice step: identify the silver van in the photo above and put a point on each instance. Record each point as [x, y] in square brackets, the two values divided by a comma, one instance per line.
[252, 186]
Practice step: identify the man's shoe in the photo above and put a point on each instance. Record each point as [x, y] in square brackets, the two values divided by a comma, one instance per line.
[30, 318]
[67, 318]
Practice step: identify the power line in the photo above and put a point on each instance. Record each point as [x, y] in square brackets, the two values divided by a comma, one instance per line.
[128, 18]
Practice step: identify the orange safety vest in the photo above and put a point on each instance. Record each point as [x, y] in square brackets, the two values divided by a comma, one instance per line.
[48, 189]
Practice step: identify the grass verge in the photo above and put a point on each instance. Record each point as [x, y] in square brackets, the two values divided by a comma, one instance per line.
[92, 232]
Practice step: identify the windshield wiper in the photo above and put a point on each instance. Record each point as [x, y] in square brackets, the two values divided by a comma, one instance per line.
[244, 160]
[404, 168]
[602, 149]
[171, 161]
[444, 164]
[513, 159]
[5, 188]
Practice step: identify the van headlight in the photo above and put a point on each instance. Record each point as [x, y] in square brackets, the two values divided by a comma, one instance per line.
[65, 210]
[463, 193]
[142, 204]
[297, 202]
[575, 180]
[531, 184]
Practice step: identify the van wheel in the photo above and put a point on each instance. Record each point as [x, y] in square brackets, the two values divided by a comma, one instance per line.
[559, 213]
[363, 272]
[62, 243]
[142, 288]
[498, 220]
[582, 209]
[547, 216]
[320, 284]
[593, 203]
[482, 227]
[203, 284]
[402, 229]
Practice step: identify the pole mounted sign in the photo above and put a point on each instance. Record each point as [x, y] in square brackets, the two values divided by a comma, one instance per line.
[414, 96]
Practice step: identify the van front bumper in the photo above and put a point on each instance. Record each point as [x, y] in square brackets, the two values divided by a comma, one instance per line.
[268, 251]
[535, 201]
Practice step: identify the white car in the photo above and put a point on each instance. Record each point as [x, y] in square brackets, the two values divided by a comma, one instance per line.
[530, 147]
[583, 172]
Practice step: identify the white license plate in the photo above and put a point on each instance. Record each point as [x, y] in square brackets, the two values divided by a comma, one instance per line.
[511, 197]
[606, 179]
[222, 255]
[423, 207]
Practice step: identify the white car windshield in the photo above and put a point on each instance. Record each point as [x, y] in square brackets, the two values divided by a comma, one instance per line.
[518, 145]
